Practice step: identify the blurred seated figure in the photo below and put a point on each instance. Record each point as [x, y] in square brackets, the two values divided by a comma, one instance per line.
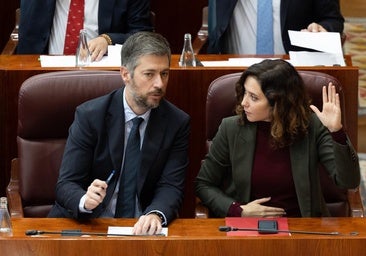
[44, 25]
[235, 25]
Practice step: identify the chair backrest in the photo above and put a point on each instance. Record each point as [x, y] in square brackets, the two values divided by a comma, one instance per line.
[46, 107]
[221, 103]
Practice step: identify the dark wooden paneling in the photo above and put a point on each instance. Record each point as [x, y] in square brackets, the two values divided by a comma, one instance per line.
[175, 18]
[7, 20]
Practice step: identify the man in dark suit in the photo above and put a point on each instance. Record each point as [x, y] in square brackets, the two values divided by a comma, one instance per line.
[43, 23]
[98, 136]
[310, 15]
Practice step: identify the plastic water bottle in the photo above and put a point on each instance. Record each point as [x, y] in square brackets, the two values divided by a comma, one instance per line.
[187, 58]
[5, 222]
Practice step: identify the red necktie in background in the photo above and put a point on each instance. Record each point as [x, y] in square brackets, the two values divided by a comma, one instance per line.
[75, 23]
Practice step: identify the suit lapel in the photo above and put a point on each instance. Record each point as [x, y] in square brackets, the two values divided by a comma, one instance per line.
[115, 120]
[243, 154]
[283, 13]
[299, 153]
[154, 135]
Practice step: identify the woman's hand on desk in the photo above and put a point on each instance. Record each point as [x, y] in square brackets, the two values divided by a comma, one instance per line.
[256, 209]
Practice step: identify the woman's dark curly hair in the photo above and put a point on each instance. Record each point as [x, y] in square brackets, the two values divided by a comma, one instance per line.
[284, 88]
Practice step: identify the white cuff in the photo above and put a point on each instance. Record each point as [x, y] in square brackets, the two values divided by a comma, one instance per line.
[82, 204]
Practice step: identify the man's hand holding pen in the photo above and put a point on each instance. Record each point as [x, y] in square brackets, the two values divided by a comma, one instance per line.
[96, 192]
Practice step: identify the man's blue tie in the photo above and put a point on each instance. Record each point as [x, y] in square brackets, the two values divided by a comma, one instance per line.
[126, 201]
[264, 27]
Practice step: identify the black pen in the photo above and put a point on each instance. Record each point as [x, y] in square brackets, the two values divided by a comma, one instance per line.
[110, 177]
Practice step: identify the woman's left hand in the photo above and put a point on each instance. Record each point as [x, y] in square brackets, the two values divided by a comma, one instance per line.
[331, 112]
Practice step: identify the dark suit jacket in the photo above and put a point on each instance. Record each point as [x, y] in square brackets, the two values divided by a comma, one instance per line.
[230, 162]
[95, 147]
[294, 15]
[117, 18]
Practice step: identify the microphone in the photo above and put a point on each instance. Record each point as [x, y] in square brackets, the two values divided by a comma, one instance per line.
[79, 233]
[228, 228]
[37, 232]
[271, 231]
[75, 232]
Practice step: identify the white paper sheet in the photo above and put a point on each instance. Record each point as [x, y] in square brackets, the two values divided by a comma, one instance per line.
[48, 61]
[304, 58]
[112, 60]
[320, 41]
[233, 62]
[113, 230]
[328, 43]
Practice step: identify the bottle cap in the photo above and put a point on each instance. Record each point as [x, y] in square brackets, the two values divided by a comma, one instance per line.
[187, 36]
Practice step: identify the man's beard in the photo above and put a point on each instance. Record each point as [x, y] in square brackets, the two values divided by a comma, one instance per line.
[142, 100]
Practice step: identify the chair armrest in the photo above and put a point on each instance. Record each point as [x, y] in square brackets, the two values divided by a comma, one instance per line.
[201, 211]
[202, 35]
[12, 191]
[355, 202]
[12, 43]
[10, 47]
[199, 42]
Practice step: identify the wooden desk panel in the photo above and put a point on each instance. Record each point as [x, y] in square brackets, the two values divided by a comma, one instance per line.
[186, 237]
[187, 89]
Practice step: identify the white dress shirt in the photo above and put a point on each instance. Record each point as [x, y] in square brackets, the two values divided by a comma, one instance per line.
[241, 35]
[58, 31]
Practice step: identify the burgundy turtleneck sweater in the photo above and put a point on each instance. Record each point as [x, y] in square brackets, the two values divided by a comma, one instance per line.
[272, 174]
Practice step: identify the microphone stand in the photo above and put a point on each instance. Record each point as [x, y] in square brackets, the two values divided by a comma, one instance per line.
[80, 233]
[335, 233]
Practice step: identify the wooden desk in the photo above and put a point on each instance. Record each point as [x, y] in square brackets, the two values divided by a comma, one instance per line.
[187, 89]
[186, 237]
